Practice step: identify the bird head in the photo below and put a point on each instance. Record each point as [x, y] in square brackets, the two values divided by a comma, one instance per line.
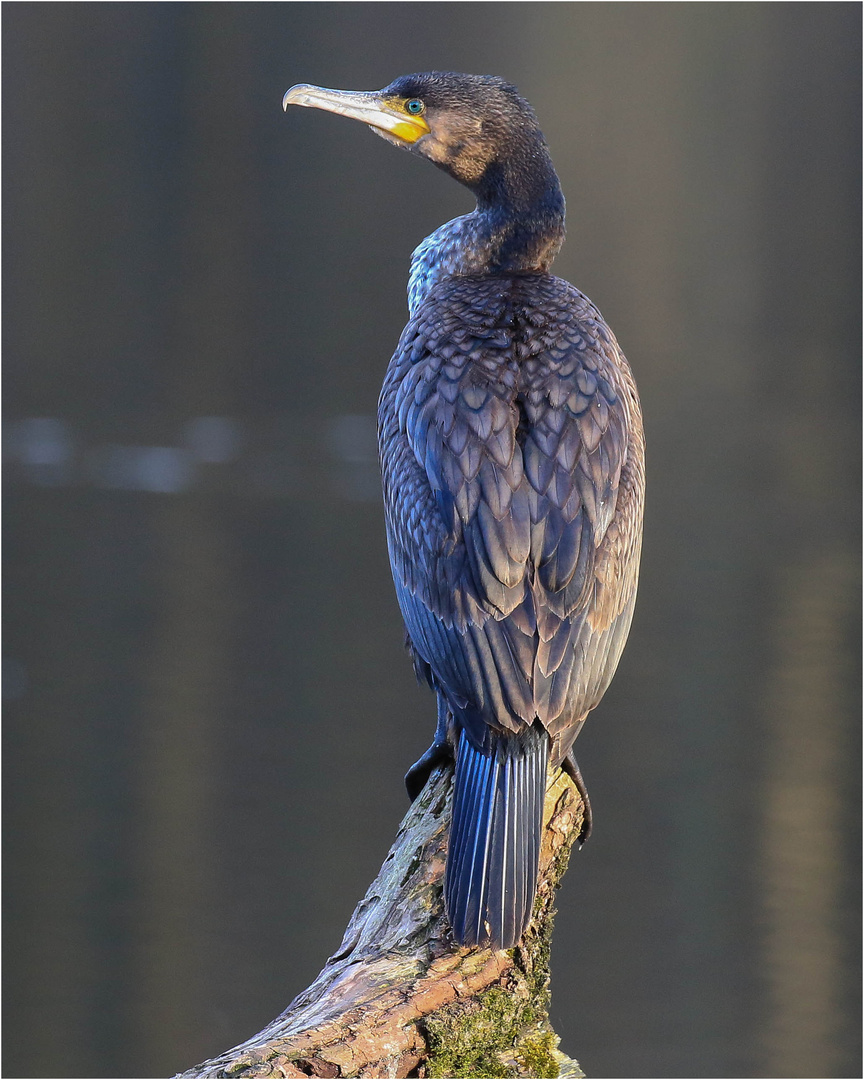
[472, 126]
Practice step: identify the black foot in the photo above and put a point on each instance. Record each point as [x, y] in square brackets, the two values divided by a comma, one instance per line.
[420, 771]
[572, 769]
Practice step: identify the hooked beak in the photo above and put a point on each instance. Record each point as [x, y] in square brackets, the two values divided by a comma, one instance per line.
[380, 113]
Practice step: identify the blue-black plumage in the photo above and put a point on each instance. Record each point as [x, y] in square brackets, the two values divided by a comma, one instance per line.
[512, 458]
[495, 837]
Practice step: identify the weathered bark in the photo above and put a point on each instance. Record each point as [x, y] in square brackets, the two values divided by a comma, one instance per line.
[397, 999]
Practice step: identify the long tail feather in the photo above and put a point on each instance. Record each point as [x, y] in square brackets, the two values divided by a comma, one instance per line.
[491, 874]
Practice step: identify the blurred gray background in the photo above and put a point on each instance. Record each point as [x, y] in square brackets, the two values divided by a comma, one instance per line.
[208, 707]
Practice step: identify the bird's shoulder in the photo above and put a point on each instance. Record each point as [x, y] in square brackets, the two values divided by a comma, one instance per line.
[483, 322]
[492, 358]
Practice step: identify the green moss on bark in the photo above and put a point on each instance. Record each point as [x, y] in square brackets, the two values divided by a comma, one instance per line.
[495, 1036]
[469, 1040]
[536, 1054]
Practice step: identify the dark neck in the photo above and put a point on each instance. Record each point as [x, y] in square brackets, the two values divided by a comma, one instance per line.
[518, 226]
[520, 208]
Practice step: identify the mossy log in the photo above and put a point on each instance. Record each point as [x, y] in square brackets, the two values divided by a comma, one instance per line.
[397, 999]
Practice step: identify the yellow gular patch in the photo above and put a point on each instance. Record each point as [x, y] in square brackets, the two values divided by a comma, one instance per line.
[411, 130]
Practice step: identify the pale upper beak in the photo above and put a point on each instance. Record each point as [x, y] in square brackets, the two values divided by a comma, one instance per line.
[372, 109]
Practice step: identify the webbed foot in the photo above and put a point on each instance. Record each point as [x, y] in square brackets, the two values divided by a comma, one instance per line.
[420, 771]
[572, 769]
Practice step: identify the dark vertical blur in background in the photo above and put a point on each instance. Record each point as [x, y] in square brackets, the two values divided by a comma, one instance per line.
[208, 708]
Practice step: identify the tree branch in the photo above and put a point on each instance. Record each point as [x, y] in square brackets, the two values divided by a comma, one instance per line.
[397, 999]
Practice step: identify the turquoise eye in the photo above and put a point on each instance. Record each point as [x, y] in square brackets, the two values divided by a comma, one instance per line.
[415, 106]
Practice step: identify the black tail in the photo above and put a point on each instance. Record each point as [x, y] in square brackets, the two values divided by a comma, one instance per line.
[491, 874]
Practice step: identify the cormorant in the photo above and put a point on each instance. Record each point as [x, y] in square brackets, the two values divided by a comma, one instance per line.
[512, 456]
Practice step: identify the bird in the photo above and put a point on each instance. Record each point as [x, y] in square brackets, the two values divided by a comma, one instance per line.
[512, 457]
